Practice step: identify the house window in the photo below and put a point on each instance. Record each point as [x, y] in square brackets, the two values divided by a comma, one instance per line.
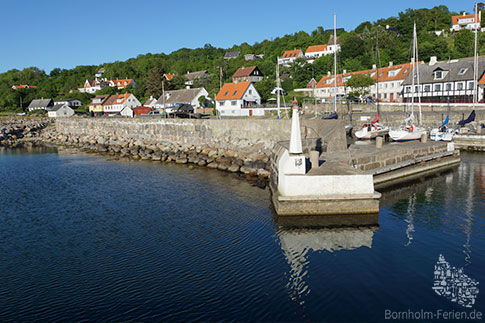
[471, 85]
[408, 89]
[250, 91]
[448, 87]
[459, 86]
[427, 88]
[234, 93]
[225, 93]
[438, 75]
[233, 102]
[437, 87]
[463, 71]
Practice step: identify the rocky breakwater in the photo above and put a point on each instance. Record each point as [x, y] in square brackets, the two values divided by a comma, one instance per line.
[253, 164]
[14, 132]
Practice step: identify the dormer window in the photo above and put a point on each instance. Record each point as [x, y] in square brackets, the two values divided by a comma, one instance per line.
[463, 71]
[439, 75]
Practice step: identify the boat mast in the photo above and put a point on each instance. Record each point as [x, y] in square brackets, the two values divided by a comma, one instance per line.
[413, 71]
[335, 61]
[278, 103]
[417, 74]
[377, 70]
[475, 63]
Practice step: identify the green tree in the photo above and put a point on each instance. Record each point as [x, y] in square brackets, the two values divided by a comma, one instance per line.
[463, 44]
[154, 82]
[360, 84]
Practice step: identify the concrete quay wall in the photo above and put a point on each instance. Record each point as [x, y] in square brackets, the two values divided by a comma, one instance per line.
[236, 134]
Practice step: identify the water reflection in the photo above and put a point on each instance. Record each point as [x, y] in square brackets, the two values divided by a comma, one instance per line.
[299, 236]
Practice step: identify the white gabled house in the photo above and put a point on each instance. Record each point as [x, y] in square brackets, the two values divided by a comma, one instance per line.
[116, 103]
[465, 21]
[179, 97]
[239, 99]
[60, 111]
[290, 56]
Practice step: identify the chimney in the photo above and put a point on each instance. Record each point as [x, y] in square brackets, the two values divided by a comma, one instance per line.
[374, 66]
[464, 13]
[344, 71]
[433, 60]
[328, 73]
[390, 64]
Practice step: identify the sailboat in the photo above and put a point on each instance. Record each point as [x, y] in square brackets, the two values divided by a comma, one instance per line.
[443, 133]
[334, 114]
[373, 129]
[409, 131]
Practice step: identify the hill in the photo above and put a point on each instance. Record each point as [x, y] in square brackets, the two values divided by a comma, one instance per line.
[358, 51]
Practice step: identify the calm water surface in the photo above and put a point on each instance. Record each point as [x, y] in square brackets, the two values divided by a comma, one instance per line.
[89, 239]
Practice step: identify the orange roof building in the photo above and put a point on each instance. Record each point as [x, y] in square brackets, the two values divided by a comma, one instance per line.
[465, 21]
[121, 84]
[290, 56]
[23, 86]
[390, 82]
[234, 99]
[116, 103]
[169, 76]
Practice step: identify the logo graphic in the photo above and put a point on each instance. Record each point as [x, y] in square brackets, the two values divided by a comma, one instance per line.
[453, 284]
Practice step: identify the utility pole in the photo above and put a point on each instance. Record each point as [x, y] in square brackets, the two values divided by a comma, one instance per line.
[163, 96]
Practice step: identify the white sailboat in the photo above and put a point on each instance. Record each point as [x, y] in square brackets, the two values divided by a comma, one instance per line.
[409, 131]
[443, 133]
[373, 129]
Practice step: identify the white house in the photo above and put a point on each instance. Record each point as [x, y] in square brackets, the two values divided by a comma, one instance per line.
[239, 99]
[60, 111]
[465, 21]
[290, 56]
[390, 83]
[127, 112]
[178, 97]
[447, 81]
[150, 102]
[116, 103]
[316, 51]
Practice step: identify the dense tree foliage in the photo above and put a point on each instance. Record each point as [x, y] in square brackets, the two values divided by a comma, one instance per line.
[393, 35]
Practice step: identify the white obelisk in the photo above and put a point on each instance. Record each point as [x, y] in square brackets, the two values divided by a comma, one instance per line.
[296, 163]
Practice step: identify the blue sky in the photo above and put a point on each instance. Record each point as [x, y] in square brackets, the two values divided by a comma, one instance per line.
[67, 33]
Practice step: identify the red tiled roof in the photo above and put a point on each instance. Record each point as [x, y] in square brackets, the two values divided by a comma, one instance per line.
[23, 86]
[232, 91]
[244, 71]
[384, 75]
[455, 19]
[291, 53]
[123, 83]
[168, 76]
[316, 48]
[141, 110]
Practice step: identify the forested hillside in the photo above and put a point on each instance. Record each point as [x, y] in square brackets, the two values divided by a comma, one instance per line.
[358, 51]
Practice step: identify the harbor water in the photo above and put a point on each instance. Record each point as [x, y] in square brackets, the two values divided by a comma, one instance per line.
[89, 238]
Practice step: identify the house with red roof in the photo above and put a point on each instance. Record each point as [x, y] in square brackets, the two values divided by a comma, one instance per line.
[121, 84]
[116, 103]
[23, 86]
[238, 99]
[465, 21]
[247, 74]
[389, 80]
[290, 56]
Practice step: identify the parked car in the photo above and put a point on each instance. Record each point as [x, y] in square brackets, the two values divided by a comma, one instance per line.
[153, 113]
[353, 99]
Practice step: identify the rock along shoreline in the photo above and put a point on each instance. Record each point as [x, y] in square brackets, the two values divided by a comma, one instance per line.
[255, 166]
